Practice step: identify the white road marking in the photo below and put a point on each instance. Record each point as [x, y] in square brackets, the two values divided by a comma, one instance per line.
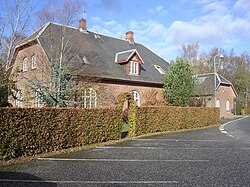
[222, 126]
[179, 140]
[116, 160]
[225, 132]
[90, 182]
[160, 148]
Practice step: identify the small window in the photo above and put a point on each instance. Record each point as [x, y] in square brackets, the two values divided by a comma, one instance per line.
[88, 98]
[97, 36]
[133, 68]
[217, 104]
[25, 64]
[33, 62]
[84, 58]
[136, 97]
[38, 100]
[19, 99]
[228, 106]
[161, 71]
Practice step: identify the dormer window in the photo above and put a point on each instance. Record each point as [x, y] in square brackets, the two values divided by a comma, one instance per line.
[25, 64]
[133, 68]
[131, 59]
[161, 71]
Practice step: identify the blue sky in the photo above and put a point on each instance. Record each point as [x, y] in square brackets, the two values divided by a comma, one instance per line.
[165, 25]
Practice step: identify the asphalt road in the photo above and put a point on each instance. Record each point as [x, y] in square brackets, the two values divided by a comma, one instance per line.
[209, 157]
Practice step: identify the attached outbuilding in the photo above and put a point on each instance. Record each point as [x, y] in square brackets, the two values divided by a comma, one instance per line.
[213, 90]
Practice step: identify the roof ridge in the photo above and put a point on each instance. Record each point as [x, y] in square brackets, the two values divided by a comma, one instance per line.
[37, 36]
[106, 35]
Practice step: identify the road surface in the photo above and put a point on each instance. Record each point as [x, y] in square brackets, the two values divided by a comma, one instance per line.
[218, 156]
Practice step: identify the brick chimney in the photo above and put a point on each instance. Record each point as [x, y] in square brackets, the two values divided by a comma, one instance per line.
[130, 37]
[82, 25]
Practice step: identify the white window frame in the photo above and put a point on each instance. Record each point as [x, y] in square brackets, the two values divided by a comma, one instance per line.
[133, 68]
[88, 98]
[159, 68]
[217, 103]
[25, 64]
[228, 105]
[136, 97]
[37, 100]
[19, 99]
[34, 62]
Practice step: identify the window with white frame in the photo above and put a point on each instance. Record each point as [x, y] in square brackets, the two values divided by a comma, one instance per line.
[19, 99]
[38, 100]
[227, 105]
[133, 68]
[33, 62]
[25, 64]
[217, 104]
[136, 97]
[88, 98]
[159, 68]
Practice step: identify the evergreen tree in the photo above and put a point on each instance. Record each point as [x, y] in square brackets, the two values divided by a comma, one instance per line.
[4, 84]
[179, 83]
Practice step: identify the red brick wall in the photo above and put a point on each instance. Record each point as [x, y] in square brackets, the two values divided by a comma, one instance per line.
[22, 78]
[223, 93]
[106, 92]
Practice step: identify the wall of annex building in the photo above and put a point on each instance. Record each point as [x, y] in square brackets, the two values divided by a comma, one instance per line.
[224, 94]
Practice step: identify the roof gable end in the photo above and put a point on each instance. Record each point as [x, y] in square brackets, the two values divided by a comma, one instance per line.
[125, 56]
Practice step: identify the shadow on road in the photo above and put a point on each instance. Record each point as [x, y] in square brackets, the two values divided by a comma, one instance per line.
[22, 179]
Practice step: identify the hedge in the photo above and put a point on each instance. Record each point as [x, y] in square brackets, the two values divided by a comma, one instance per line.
[29, 131]
[161, 119]
[246, 111]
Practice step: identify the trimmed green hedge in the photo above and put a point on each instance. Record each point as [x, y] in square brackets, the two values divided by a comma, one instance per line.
[160, 119]
[29, 131]
[247, 111]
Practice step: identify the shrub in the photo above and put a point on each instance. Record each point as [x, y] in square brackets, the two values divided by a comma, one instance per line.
[162, 119]
[247, 111]
[27, 131]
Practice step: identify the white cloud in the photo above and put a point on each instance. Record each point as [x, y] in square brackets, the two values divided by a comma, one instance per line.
[217, 26]
[160, 10]
[95, 19]
[110, 23]
[243, 6]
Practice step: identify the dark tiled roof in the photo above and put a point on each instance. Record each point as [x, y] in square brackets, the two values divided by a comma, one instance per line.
[205, 84]
[32, 36]
[100, 51]
[124, 56]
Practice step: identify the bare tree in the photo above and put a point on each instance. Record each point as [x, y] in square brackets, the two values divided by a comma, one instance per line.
[58, 81]
[190, 53]
[65, 13]
[16, 23]
[56, 89]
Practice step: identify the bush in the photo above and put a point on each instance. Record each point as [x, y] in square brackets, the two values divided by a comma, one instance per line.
[179, 83]
[246, 111]
[27, 131]
[162, 119]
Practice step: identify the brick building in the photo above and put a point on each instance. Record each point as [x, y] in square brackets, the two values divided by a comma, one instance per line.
[103, 66]
[213, 90]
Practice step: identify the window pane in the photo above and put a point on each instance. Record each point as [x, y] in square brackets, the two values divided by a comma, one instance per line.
[88, 98]
[34, 59]
[227, 105]
[217, 104]
[25, 64]
[136, 97]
